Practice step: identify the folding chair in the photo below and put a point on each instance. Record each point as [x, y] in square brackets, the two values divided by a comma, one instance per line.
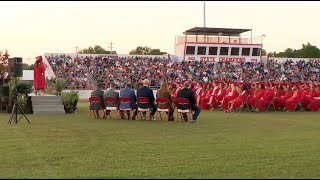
[162, 101]
[244, 104]
[111, 100]
[218, 108]
[253, 109]
[125, 100]
[95, 105]
[299, 105]
[144, 102]
[183, 102]
[271, 103]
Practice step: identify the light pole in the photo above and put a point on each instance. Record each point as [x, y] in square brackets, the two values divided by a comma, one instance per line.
[263, 35]
[111, 46]
[204, 19]
[204, 14]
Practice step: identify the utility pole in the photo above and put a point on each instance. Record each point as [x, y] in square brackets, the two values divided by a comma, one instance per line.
[263, 35]
[111, 46]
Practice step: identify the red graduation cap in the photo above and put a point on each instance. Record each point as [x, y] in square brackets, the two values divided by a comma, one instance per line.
[38, 58]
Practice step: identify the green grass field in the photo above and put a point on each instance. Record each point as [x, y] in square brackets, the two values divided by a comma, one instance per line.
[238, 145]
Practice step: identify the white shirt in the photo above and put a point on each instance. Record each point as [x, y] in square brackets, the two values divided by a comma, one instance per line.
[214, 90]
[198, 91]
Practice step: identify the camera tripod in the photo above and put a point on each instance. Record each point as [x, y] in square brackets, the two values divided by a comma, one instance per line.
[14, 112]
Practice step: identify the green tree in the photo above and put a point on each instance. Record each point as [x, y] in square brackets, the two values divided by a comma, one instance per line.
[95, 50]
[271, 54]
[140, 50]
[290, 53]
[157, 52]
[307, 51]
[263, 52]
[4, 56]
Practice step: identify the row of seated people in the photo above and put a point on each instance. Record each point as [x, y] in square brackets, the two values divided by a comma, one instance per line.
[147, 93]
[230, 96]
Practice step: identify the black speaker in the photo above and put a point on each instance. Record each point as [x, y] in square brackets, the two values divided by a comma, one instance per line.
[15, 67]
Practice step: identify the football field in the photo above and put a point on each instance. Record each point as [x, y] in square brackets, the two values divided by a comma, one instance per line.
[236, 145]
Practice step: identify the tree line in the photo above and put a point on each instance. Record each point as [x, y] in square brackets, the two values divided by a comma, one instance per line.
[140, 50]
[306, 51]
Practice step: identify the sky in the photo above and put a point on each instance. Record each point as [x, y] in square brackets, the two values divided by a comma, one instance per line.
[29, 29]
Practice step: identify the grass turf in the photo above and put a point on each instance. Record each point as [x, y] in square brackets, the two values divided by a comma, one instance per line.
[238, 145]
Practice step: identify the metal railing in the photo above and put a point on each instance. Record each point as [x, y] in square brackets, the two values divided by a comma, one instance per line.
[89, 76]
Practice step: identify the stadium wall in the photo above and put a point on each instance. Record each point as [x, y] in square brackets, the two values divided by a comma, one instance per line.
[27, 75]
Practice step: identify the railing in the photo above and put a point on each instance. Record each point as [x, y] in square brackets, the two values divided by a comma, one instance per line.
[90, 77]
[48, 67]
[202, 39]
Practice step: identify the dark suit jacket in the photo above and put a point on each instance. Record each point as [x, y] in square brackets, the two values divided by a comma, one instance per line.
[128, 92]
[187, 94]
[166, 95]
[98, 93]
[111, 93]
[146, 92]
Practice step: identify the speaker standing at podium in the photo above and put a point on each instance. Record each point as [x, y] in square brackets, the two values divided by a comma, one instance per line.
[39, 76]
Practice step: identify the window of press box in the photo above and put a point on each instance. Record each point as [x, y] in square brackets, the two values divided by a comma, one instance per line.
[235, 51]
[224, 50]
[202, 50]
[245, 51]
[190, 50]
[213, 50]
[256, 52]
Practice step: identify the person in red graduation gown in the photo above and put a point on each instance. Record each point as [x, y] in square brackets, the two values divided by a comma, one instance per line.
[258, 94]
[39, 76]
[174, 92]
[282, 96]
[194, 89]
[215, 90]
[266, 99]
[243, 94]
[314, 103]
[291, 103]
[199, 92]
[217, 98]
[251, 88]
[205, 97]
[308, 94]
[232, 95]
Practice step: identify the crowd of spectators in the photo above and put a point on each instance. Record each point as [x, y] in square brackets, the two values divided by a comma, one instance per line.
[73, 70]
[85, 71]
